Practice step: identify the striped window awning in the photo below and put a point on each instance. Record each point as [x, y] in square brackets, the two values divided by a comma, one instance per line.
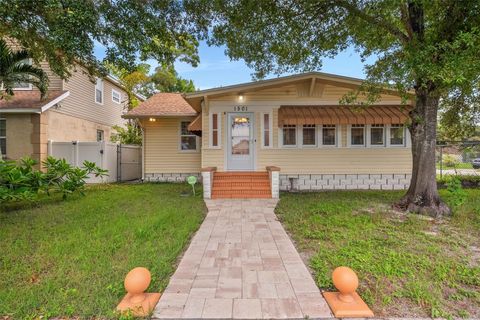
[300, 115]
[196, 124]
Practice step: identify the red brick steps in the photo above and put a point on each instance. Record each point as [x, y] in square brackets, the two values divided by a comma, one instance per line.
[241, 185]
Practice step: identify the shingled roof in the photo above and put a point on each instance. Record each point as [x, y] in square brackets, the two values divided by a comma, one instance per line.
[29, 101]
[162, 105]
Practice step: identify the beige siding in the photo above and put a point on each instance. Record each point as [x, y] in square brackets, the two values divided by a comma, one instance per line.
[19, 135]
[78, 129]
[162, 154]
[81, 101]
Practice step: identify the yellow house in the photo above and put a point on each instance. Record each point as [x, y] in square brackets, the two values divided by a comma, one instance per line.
[288, 133]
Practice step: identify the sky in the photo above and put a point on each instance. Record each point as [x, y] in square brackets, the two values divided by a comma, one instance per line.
[215, 68]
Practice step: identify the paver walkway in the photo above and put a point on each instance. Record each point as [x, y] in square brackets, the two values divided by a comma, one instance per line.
[241, 264]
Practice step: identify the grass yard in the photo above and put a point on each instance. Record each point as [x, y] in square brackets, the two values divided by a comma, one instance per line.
[69, 258]
[407, 265]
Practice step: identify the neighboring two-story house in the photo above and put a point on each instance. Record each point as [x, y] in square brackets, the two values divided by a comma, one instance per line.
[74, 110]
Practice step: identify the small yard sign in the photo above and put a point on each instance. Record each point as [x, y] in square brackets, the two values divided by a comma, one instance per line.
[191, 181]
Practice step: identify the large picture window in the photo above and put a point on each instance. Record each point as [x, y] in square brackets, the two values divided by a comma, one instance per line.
[357, 135]
[3, 138]
[188, 141]
[377, 135]
[289, 135]
[309, 135]
[397, 135]
[329, 135]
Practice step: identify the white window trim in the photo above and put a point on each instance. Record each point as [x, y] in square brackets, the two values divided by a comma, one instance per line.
[95, 92]
[197, 140]
[369, 137]
[307, 146]
[404, 144]
[337, 137]
[4, 137]
[119, 96]
[349, 137]
[288, 146]
[270, 133]
[219, 130]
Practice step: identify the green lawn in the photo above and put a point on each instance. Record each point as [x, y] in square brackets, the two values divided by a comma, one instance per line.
[69, 258]
[461, 165]
[407, 265]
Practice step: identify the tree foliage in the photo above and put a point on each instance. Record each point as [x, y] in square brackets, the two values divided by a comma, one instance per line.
[426, 49]
[166, 79]
[65, 32]
[15, 69]
[130, 134]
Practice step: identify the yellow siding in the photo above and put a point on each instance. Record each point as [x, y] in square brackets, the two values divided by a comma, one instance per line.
[162, 154]
[81, 101]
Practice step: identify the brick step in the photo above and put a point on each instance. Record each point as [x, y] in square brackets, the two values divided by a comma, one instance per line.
[240, 188]
[239, 184]
[241, 192]
[245, 196]
[240, 176]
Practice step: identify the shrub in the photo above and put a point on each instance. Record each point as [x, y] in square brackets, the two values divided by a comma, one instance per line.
[21, 181]
[450, 160]
[467, 181]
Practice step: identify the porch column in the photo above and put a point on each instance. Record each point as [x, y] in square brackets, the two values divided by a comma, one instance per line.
[207, 180]
[274, 174]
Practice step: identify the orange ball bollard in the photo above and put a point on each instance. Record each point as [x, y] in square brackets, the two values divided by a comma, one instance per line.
[346, 303]
[136, 301]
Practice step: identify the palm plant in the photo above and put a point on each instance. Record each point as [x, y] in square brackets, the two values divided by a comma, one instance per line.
[15, 69]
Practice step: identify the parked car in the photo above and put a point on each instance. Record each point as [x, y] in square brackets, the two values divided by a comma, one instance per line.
[476, 163]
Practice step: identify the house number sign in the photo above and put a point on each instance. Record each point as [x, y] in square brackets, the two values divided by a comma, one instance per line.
[240, 108]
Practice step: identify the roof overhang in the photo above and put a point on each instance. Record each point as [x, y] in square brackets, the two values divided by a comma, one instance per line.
[41, 109]
[173, 115]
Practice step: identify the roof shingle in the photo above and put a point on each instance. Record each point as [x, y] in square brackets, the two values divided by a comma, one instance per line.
[163, 104]
[28, 99]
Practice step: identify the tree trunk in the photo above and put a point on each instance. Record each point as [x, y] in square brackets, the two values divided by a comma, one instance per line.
[422, 196]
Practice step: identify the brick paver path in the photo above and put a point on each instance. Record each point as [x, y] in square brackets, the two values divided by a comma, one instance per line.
[242, 265]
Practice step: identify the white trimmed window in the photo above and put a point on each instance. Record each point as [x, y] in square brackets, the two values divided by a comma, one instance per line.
[3, 137]
[188, 141]
[266, 130]
[100, 135]
[397, 135]
[289, 135]
[329, 135]
[116, 96]
[23, 85]
[215, 132]
[377, 135]
[357, 135]
[99, 91]
[309, 135]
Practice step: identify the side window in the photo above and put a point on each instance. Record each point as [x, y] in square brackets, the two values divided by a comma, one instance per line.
[397, 135]
[377, 135]
[188, 141]
[215, 130]
[100, 135]
[289, 135]
[99, 91]
[309, 134]
[116, 96]
[3, 138]
[329, 135]
[267, 130]
[357, 135]
[23, 85]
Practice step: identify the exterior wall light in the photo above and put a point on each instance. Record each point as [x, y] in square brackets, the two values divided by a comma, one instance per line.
[241, 97]
[152, 119]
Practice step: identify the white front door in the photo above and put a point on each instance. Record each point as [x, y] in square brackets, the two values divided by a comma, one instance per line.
[240, 142]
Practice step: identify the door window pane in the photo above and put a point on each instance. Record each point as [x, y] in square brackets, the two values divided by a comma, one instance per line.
[329, 135]
[309, 135]
[289, 135]
[357, 135]
[377, 134]
[397, 134]
[240, 136]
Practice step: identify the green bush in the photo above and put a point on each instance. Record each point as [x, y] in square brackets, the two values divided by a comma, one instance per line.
[467, 181]
[21, 181]
[450, 160]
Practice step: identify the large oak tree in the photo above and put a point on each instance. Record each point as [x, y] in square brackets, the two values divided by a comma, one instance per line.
[430, 47]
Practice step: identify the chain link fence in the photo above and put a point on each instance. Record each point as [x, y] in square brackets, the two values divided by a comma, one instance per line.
[458, 158]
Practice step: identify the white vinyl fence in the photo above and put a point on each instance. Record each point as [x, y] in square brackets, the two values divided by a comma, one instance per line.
[123, 162]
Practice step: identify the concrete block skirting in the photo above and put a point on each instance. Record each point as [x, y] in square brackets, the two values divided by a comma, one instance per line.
[315, 182]
[170, 177]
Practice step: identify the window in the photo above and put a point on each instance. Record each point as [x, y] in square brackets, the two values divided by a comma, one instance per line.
[100, 135]
[188, 141]
[329, 134]
[397, 135]
[289, 135]
[377, 135]
[23, 85]
[99, 91]
[116, 97]
[267, 130]
[3, 138]
[309, 135]
[215, 130]
[357, 135]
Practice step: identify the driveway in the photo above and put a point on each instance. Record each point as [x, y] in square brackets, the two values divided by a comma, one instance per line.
[241, 264]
